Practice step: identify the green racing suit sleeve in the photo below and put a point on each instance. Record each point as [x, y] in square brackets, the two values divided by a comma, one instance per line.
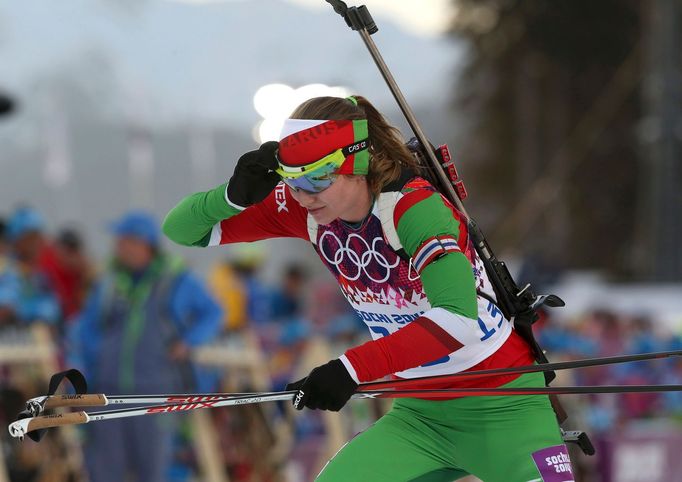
[191, 221]
[209, 219]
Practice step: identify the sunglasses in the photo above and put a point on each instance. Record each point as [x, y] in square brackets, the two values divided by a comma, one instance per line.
[315, 181]
[319, 175]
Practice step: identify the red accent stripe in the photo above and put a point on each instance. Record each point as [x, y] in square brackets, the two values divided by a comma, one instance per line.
[439, 333]
[417, 183]
[514, 352]
[414, 345]
[409, 347]
[407, 201]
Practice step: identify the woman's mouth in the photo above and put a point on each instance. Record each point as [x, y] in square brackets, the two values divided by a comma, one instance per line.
[315, 210]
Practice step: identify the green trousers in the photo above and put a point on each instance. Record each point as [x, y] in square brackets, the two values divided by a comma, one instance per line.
[441, 441]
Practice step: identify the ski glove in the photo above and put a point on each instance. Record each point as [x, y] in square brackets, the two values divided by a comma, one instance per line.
[327, 387]
[254, 177]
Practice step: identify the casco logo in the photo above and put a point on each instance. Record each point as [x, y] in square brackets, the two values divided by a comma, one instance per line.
[357, 147]
[342, 256]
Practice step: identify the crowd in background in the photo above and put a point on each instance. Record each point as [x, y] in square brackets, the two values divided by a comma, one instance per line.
[604, 333]
[131, 323]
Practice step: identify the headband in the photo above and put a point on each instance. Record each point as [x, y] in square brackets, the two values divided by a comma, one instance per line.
[305, 141]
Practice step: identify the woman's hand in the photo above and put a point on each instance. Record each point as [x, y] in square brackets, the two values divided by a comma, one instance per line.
[254, 177]
[328, 387]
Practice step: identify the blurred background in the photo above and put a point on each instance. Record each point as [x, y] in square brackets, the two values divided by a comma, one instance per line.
[565, 119]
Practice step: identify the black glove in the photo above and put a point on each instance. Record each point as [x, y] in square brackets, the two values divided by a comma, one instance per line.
[327, 387]
[254, 177]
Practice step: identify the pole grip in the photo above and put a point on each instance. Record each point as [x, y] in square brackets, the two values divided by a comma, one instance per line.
[21, 427]
[57, 420]
[84, 400]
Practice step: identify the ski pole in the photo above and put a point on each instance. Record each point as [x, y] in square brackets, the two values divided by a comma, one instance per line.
[21, 427]
[422, 382]
[36, 406]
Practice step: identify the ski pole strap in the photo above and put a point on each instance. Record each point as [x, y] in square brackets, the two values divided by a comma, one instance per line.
[77, 381]
[75, 377]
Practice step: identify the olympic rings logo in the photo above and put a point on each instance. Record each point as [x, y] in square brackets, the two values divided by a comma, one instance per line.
[360, 261]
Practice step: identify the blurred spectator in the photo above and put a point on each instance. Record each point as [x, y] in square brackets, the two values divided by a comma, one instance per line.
[642, 338]
[332, 316]
[290, 328]
[567, 340]
[672, 401]
[9, 281]
[4, 244]
[70, 270]
[604, 333]
[287, 299]
[236, 285]
[229, 291]
[10, 289]
[134, 336]
[36, 299]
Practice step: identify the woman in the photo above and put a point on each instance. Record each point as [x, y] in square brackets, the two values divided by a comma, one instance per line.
[342, 179]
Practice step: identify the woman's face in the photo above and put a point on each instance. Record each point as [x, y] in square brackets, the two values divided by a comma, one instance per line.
[348, 198]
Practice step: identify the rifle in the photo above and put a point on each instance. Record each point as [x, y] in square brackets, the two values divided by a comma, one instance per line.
[519, 304]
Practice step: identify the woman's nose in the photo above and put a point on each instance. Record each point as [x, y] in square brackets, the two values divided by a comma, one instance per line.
[305, 198]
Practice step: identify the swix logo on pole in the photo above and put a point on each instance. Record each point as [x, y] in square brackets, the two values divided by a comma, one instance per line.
[192, 399]
[192, 403]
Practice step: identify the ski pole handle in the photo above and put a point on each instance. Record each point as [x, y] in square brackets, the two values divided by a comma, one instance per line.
[21, 427]
[86, 400]
[36, 406]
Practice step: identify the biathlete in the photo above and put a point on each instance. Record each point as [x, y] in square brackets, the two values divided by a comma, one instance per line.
[342, 179]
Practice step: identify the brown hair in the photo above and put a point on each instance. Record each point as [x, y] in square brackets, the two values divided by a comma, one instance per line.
[387, 150]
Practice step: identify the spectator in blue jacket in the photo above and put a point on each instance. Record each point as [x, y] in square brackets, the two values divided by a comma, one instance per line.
[26, 293]
[134, 336]
[9, 281]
